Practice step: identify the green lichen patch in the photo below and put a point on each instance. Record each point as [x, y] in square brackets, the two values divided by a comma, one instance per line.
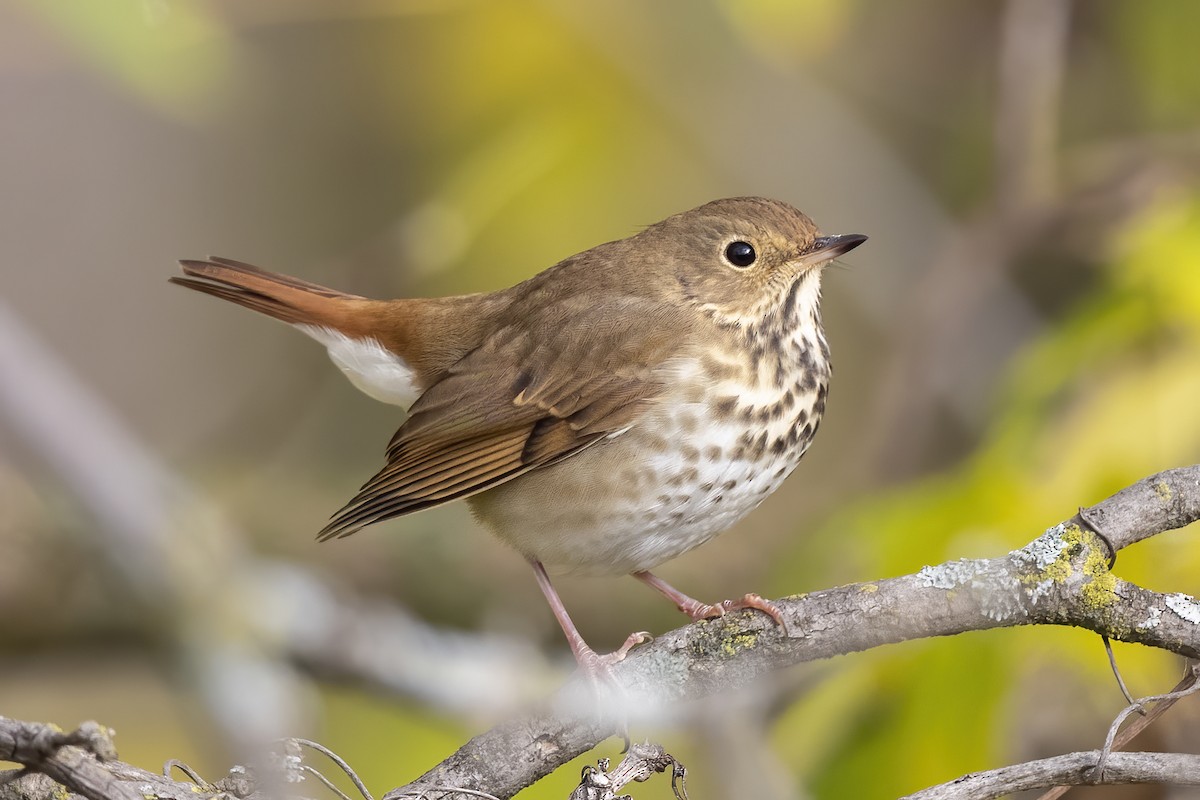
[1100, 592]
[1048, 558]
[1099, 589]
[722, 638]
[1163, 490]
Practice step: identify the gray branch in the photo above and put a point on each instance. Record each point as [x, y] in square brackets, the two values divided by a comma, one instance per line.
[73, 759]
[1073, 769]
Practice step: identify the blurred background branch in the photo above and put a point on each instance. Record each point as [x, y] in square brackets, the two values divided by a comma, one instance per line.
[235, 623]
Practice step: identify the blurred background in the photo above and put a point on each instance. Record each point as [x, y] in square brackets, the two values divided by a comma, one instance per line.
[1021, 336]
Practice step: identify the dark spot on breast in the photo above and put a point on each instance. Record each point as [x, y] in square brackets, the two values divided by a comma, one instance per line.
[713, 453]
[717, 369]
[819, 403]
[775, 338]
[654, 443]
[806, 360]
[725, 406]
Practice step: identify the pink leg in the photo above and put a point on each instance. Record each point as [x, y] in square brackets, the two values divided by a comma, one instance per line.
[597, 667]
[698, 611]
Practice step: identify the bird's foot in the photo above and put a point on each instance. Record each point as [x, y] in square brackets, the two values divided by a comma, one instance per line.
[698, 611]
[598, 667]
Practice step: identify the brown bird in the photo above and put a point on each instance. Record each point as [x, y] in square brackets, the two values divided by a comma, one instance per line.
[606, 415]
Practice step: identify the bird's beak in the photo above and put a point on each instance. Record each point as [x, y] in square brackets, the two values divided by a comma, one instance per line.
[826, 248]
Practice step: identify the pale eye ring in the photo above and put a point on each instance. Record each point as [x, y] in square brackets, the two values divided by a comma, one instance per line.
[740, 254]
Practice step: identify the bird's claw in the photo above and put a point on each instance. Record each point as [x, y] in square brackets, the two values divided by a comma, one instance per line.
[705, 611]
[598, 667]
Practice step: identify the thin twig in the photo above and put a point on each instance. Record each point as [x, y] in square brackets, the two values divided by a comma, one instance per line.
[175, 763]
[1112, 742]
[1116, 671]
[1163, 702]
[336, 759]
[308, 770]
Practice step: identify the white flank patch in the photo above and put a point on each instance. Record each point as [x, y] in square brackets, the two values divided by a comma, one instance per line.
[372, 369]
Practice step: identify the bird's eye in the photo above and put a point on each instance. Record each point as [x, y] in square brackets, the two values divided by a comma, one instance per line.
[740, 254]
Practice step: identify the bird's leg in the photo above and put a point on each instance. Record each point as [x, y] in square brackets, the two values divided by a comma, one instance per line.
[698, 610]
[596, 666]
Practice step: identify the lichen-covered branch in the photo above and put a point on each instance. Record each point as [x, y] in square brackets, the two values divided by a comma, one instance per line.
[1060, 578]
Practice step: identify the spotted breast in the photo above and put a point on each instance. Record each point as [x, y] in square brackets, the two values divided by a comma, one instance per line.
[744, 405]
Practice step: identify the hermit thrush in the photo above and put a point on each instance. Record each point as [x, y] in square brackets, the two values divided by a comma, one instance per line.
[606, 415]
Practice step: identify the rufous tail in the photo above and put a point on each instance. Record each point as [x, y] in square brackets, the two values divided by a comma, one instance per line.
[280, 296]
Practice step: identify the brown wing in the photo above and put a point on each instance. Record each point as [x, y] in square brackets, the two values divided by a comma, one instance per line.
[542, 388]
